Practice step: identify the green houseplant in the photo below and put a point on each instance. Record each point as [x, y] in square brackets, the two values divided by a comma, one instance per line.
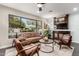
[46, 33]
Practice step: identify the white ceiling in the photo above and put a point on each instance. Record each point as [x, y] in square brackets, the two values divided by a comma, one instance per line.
[57, 8]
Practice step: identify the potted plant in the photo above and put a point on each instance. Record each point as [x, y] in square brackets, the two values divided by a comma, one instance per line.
[46, 33]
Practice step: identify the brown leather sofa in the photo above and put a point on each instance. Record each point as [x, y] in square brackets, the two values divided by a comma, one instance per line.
[26, 44]
[29, 37]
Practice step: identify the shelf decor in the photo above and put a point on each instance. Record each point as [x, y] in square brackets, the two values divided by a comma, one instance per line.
[61, 22]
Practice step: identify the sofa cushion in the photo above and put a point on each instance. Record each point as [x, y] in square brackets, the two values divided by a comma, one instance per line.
[34, 34]
[30, 34]
[26, 34]
[30, 40]
[33, 39]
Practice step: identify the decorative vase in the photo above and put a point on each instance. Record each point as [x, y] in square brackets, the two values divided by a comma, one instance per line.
[46, 38]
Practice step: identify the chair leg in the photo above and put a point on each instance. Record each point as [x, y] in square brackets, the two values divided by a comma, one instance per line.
[70, 47]
[13, 43]
[37, 53]
[17, 54]
[60, 46]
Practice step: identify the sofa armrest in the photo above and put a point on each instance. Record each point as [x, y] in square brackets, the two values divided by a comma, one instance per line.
[21, 39]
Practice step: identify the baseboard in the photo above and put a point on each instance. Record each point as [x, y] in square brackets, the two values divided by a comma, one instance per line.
[75, 42]
[6, 46]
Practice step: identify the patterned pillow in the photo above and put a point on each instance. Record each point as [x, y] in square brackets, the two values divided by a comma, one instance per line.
[66, 38]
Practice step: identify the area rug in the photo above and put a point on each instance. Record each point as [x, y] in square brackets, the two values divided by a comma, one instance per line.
[64, 51]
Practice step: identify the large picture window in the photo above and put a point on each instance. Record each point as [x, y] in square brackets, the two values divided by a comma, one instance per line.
[23, 25]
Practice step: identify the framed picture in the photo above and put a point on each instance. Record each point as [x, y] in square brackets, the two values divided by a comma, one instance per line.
[39, 24]
[45, 26]
[14, 21]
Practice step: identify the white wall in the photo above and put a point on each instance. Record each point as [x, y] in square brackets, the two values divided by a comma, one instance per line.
[50, 23]
[4, 11]
[74, 26]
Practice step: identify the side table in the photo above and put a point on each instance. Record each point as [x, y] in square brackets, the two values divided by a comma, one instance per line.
[46, 43]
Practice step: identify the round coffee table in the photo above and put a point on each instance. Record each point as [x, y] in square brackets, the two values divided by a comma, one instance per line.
[47, 44]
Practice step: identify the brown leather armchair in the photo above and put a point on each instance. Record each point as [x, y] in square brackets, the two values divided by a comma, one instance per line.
[62, 38]
[66, 40]
[27, 50]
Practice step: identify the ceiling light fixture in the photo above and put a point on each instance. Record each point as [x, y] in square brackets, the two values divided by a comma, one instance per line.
[40, 6]
[75, 9]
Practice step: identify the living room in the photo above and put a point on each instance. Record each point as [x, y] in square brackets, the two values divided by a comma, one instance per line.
[50, 20]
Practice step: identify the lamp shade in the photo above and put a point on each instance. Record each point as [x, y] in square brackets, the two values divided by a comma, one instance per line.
[16, 30]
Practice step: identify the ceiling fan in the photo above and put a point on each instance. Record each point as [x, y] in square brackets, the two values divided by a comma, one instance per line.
[40, 6]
